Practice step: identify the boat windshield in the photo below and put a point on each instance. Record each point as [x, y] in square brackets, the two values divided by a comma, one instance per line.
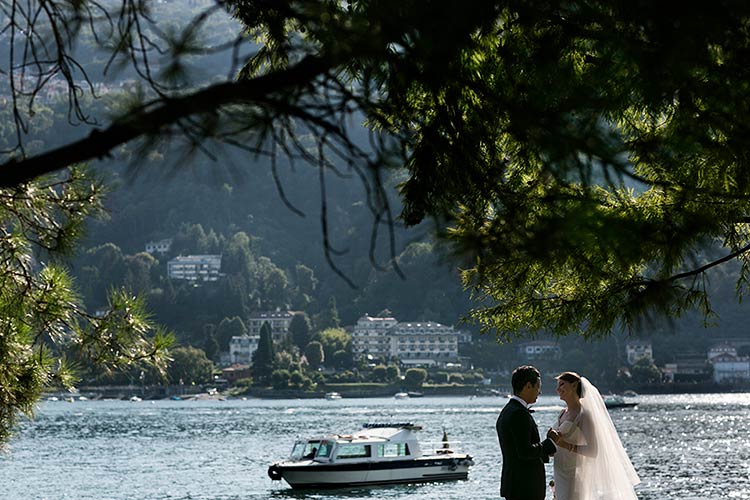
[324, 450]
[305, 449]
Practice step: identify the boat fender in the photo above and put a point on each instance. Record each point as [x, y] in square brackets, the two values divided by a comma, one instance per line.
[453, 464]
[274, 473]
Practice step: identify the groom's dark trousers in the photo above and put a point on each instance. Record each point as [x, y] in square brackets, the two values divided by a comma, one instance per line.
[524, 455]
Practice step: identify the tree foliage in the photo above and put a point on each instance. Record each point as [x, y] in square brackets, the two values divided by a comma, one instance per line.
[644, 371]
[585, 159]
[263, 357]
[329, 316]
[314, 354]
[415, 377]
[393, 373]
[190, 366]
[334, 340]
[299, 330]
[379, 373]
[46, 331]
[228, 328]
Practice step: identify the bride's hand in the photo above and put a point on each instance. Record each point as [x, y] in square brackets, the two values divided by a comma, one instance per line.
[553, 435]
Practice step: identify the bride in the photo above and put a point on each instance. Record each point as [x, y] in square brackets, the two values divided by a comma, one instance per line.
[590, 462]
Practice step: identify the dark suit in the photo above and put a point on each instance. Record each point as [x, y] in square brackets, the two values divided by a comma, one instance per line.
[523, 454]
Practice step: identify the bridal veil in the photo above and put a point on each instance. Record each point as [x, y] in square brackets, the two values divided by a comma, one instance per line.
[609, 475]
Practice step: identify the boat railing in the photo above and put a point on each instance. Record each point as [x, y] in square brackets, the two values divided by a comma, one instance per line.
[352, 437]
[406, 425]
[440, 445]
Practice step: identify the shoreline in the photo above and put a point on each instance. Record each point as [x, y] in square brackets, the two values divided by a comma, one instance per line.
[469, 391]
[355, 391]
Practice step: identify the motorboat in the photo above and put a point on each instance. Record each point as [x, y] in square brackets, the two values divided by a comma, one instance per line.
[378, 454]
[333, 395]
[401, 395]
[615, 401]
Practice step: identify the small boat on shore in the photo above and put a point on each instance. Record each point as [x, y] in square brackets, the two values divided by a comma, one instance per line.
[379, 454]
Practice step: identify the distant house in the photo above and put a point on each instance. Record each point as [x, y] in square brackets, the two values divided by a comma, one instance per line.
[370, 335]
[464, 337]
[241, 349]
[279, 322]
[195, 268]
[722, 348]
[636, 349]
[235, 372]
[730, 368]
[689, 367]
[418, 343]
[160, 247]
[539, 349]
[424, 343]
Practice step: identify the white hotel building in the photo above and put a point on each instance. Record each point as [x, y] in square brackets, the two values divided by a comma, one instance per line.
[415, 343]
[370, 335]
[241, 349]
[279, 322]
[195, 267]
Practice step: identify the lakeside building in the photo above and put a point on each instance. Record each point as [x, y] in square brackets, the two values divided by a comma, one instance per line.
[278, 320]
[739, 346]
[688, 367]
[160, 247]
[539, 349]
[636, 349]
[370, 335]
[195, 268]
[424, 343]
[241, 349]
[730, 368]
[418, 343]
[235, 372]
[720, 349]
[729, 360]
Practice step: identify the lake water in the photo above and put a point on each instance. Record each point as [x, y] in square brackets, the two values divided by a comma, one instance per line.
[683, 446]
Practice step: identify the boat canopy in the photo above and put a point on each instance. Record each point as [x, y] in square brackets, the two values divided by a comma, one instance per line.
[374, 441]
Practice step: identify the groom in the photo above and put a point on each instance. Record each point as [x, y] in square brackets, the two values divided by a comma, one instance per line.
[523, 475]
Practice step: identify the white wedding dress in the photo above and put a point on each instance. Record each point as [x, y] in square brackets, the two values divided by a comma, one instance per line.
[567, 461]
[601, 469]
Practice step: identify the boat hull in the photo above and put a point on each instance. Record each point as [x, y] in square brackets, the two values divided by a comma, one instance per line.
[620, 405]
[346, 475]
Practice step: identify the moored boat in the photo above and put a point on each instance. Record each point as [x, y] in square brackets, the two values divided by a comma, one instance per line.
[333, 395]
[614, 401]
[379, 454]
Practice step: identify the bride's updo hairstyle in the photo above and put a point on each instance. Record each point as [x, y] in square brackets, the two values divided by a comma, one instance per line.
[572, 378]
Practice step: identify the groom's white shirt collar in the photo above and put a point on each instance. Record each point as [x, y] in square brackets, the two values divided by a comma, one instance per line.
[524, 403]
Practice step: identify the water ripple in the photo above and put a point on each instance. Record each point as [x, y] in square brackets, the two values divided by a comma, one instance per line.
[683, 446]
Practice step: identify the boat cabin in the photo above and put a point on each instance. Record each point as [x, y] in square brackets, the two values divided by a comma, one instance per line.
[373, 443]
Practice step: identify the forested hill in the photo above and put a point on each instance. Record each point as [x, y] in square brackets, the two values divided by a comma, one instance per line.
[272, 256]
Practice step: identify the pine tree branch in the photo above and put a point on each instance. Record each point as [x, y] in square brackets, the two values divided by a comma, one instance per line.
[150, 119]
